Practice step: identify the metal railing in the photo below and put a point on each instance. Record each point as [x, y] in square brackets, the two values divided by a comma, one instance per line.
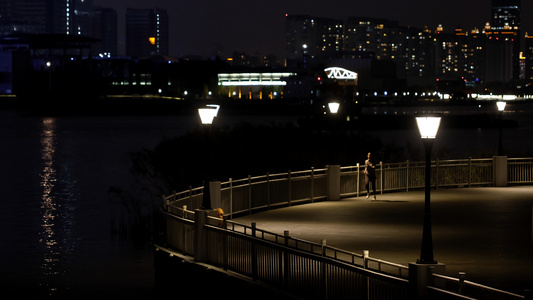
[308, 274]
[405, 176]
[289, 262]
[520, 170]
[272, 190]
[459, 288]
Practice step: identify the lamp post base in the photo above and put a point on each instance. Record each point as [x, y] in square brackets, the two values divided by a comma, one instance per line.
[421, 276]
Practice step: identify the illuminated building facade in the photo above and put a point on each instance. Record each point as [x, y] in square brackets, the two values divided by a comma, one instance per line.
[505, 28]
[506, 15]
[47, 16]
[528, 57]
[146, 32]
[312, 38]
[71, 17]
[253, 85]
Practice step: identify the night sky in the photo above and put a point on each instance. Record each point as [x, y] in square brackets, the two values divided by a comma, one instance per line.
[201, 26]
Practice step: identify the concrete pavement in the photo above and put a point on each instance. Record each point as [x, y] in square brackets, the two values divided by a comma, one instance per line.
[485, 232]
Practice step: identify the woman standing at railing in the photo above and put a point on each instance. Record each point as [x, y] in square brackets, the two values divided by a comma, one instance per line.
[370, 177]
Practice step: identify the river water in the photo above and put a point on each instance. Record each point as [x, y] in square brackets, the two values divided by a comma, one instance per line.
[59, 210]
[59, 207]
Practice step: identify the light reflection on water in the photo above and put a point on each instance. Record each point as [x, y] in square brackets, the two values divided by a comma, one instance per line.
[56, 220]
[48, 206]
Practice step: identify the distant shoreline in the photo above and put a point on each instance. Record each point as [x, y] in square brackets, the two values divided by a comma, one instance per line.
[155, 105]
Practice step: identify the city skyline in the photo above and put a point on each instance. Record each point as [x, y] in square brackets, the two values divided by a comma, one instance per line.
[258, 26]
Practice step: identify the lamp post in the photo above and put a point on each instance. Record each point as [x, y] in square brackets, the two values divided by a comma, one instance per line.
[428, 127]
[501, 108]
[207, 116]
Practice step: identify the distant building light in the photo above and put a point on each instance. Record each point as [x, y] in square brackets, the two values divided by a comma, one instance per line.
[253, 79]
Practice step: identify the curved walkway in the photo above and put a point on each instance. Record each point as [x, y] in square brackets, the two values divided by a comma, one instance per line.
[485, 232]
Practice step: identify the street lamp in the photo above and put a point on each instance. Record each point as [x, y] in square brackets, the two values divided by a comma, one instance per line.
[333, 107]
[207, 115]
[428, 127]
[501, 108]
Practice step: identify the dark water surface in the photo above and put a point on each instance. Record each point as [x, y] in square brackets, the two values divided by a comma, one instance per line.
[58, 219]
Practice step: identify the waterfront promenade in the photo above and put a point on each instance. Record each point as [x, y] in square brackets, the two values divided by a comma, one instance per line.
[485, 232]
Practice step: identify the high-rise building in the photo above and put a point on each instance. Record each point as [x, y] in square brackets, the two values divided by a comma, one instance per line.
[106, 30]
[528, 54]
[46, 16]
[33, 16]
[146, 32]
[505, 15]
[71, 17]
[309, 38]
[505, 27]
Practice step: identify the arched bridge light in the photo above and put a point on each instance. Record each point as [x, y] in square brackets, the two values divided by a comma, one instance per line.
[208, 113]
[340, 73]
[428, 126]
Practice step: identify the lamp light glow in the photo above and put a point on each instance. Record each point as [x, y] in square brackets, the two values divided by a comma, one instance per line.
[333, 107]
[428, 126]
[208, 113]
[501, 105]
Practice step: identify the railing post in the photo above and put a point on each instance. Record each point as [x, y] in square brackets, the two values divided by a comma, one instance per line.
[500, 170]
[268, 190]
[200, 235]
[365, 264]
[324, 277]
[420, 277]
[250, 194]
[312, 185]
[225, 250]
[289, 182]
[470, 172]
[254, 253]
[407, 175]
[381, 176]
[286, 268]
[358, 175]
[231, 198]
[333, 173]
[462, 276]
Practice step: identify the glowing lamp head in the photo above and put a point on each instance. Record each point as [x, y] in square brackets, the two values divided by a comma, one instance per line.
[428, 126]
[501, 105]
[208, 113]
[333, 107]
